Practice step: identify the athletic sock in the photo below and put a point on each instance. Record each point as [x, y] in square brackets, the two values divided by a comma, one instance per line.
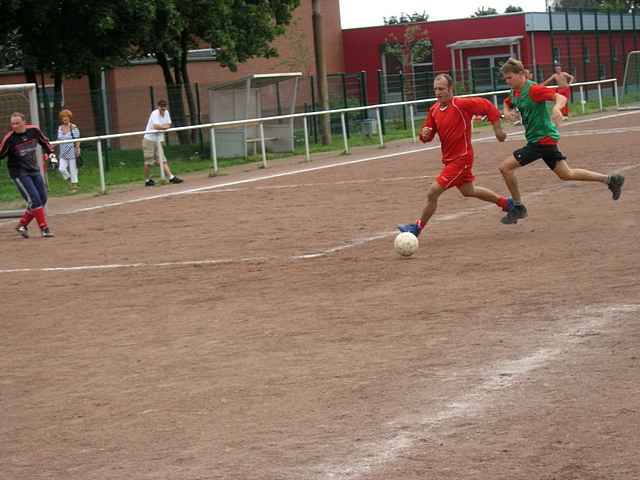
[38, 213]
[517, 202]
[26, 218]
[503, 203]
[420, 224]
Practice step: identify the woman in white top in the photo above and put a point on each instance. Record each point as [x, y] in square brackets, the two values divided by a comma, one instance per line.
[69, 152]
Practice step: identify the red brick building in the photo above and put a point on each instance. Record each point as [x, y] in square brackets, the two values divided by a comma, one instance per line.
[129, 89]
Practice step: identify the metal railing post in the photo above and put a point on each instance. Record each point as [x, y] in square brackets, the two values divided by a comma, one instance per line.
[380, 134]
[582, 101]
[495, 100]
[344, 133]
[412, 117]
[103, 186]
[307, 155]
[263, 146]
[615, 93]
[214, 150]
[600, 96]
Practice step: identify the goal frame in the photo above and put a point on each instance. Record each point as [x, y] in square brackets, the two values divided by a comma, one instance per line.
[624, 80]
[30, 89]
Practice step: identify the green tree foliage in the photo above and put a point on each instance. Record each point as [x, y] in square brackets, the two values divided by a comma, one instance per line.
[413, 47]
[484, 11]
[406, 18]
[69, 38]
[237, 30]
[513, 9]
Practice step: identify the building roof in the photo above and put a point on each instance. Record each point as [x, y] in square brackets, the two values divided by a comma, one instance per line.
[485, 42]
[258, 80]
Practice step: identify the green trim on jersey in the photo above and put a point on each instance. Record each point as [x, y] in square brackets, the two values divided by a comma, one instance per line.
[535, 116]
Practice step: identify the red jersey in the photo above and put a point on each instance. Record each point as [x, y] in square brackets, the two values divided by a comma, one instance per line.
[452, 123]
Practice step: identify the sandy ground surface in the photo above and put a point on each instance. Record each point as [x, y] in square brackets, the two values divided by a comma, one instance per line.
[266, 329]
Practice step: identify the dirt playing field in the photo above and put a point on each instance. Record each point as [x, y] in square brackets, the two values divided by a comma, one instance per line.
[265, 329]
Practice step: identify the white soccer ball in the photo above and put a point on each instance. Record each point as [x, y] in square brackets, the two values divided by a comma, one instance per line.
[406, 244]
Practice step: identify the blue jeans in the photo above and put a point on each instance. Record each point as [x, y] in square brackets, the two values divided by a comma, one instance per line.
[32, 189]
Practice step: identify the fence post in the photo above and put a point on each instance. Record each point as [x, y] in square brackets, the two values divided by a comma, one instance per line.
[582, 100]
[214, 150]
[381, 101]
[615, 93]
[495, 100]
[263, 146]
[345, 136]
[103, 187]
[198, 106]
[364, 100]
[600, 96]
[313, 109]
[306, 139]
[402, 98]
[345, 101]
[413, 124]
[380, 130]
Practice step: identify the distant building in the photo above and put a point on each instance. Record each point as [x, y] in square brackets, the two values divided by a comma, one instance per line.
[588, 44]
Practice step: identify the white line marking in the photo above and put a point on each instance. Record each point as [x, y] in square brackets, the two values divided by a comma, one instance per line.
[308, 256]
[406, 431]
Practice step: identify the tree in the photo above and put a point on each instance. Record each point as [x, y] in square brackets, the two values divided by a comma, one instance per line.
[513, 9]
[65, 38]
[484, 11]
[406, 18]
[414, 46]
[236, 30]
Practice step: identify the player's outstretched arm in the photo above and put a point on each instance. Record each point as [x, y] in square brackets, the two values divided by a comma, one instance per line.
[548, 80]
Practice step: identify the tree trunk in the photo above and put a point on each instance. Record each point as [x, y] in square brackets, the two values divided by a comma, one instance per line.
[321, 69]
[184, 70]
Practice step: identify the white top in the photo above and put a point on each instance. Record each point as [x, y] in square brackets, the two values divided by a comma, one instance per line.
[68, 150]
[156, 119]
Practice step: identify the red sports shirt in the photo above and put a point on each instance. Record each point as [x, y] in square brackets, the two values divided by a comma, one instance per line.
[452, 123]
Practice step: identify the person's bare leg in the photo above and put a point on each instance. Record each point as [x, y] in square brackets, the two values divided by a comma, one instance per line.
[481, 193]
[507, 169]
[564, 172]
[432, 202]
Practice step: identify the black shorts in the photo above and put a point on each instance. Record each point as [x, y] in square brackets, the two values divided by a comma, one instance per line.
[533, 151]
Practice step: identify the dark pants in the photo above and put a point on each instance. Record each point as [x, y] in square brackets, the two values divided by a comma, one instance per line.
[32, 189]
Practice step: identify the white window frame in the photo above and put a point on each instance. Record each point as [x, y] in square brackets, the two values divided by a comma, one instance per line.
[492, 63]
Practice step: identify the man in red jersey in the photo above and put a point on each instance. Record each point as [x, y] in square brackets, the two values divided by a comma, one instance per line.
[451, 119]
[20, 146]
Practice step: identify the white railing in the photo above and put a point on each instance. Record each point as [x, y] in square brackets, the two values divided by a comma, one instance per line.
[261, 121]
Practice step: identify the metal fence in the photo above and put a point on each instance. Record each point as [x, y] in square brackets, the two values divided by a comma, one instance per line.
[601, 89]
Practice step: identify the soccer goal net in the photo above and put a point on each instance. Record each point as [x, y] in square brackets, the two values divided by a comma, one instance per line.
[631, 83]
[21, 98]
